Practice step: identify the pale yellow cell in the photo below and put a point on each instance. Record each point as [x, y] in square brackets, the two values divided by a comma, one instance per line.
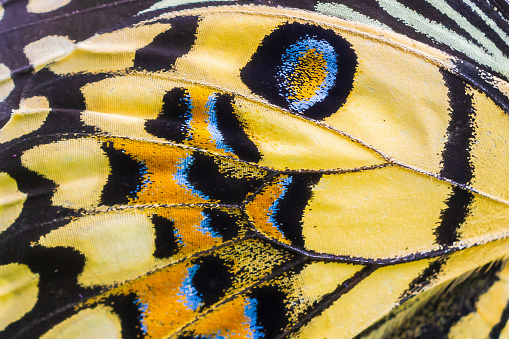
[79, 168]
[11, 201]
[380, 213]
[220, 52]
[44, 6]
[119, 125]
[32, 113]
[401, 111]
[362, 306]
[314, 282]
[50, 48]
[319, 278]
[109, 51]
[287, 141]
[487, 220]
[18, 292]
[6, 83]
[1, 11]
[130, 96]
[490, 150]
[99, 322]
[117, 246]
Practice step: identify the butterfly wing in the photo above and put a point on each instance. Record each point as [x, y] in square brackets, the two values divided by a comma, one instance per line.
[175, 177]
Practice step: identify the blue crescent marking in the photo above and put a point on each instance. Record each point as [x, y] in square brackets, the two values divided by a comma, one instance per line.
[274, 207]
[250, 311]
[213, 126]
[181, 176]
[193, 300]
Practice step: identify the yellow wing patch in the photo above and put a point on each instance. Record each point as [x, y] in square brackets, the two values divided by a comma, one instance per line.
[108, 52]
[99, 322]
[11, 201]
[18, 292]
[6, 83]
[31, 115]
[78, 167]
[201, 188]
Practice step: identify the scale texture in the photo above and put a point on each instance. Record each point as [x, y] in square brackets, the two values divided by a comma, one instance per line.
[254, 169]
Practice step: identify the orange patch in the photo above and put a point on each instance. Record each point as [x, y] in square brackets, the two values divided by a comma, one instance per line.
[259, 209]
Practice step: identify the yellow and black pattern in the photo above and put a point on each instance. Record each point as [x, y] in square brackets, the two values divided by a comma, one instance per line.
[240, 170]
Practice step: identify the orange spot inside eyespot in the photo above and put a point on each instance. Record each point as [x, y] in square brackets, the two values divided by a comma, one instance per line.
[308, 75]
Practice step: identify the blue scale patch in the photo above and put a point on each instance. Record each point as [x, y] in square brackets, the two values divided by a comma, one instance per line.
[291, 58]
[275, 205]
[187, 115]
[213, 336]
[206, 229]
[250, 311]
[213, 126]
[181, 176]
[191, 296]
[143, 174]
[178, 237]
[142, 307]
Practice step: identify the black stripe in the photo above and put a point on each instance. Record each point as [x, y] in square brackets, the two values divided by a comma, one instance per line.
[125, 179]
[423, 280]
[480, 80]
[468, 13]
[206, 175]
[171, 124]
[434, 313]
[291, 207]
[127, 307]
[453, 216]
[271, 313]
[167, 47]
[62, 92]
[456, 164]
[329, 299]
[165, 241]
[232, 129]
[212, 279]
[504, 6]
[434, 14]
[227, 224]
[497, 329]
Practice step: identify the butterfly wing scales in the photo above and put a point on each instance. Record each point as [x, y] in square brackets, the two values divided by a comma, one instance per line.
[183, 189]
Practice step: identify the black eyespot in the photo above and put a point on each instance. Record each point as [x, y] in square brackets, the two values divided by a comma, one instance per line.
[303, 68]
